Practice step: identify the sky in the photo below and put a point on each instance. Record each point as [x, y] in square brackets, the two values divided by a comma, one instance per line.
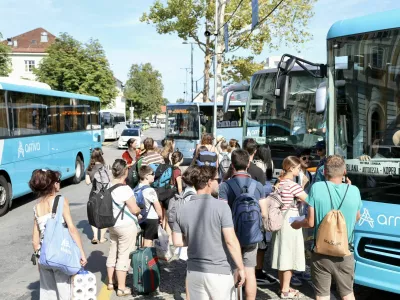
[127, 41]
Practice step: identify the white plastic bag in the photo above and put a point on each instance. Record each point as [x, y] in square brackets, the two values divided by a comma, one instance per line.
[163, 249]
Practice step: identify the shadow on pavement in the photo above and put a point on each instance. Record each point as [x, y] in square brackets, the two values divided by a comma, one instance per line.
[34, 287]
[96, 262]
[87, 230]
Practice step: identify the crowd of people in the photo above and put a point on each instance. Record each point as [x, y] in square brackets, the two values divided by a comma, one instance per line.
[224, 251]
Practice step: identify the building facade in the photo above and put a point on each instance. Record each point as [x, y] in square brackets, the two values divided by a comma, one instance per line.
[27, 51]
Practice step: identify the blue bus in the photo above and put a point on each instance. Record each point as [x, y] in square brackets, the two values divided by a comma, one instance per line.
[42, 128]
[188, 121]
[361, 98]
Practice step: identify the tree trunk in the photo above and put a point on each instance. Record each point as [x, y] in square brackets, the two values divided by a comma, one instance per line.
[207, 67]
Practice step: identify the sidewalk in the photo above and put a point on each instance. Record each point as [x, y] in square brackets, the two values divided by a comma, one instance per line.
[173, 285]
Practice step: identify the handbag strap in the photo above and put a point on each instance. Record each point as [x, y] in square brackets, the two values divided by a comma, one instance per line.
[57, 210]
[122, 210]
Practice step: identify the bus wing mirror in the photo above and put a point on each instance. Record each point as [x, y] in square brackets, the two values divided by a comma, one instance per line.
[287, 66]
[282, 92]
[320, 98]
[227, 100]
[228, 95]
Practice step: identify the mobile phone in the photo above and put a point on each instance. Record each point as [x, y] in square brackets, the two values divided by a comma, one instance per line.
[344, 179]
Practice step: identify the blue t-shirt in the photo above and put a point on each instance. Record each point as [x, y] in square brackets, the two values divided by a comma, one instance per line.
[318, 198]
[242, 179]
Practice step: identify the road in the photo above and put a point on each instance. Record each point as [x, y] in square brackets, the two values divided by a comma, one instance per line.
[20, 280]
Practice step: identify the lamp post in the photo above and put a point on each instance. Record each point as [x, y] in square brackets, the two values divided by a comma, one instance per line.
[191, 63]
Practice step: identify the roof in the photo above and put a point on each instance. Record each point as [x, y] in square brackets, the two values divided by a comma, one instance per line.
[375, 22]
[29, 42]
[219, 104]
[46, 92]
[163, 109]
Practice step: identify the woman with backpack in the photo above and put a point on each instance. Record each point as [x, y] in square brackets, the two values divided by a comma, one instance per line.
[288, 243]
[123, 233]
[176, 179]
[98, 176]
[132, 154]
[54, 284]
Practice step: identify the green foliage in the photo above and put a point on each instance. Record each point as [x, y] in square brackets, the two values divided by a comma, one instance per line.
[80, 68]
[238, 69]
[186, 18]
[165, 101]
[5, 59]
[144, 87]
[180, 100]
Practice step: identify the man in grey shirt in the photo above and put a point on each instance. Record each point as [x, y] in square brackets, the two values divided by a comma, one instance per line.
[205, 225]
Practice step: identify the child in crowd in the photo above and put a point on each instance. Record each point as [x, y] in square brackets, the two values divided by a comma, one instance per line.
[153, 212]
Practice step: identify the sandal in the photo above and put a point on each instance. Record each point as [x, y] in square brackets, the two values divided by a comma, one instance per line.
[95, 241]
[125, 292]
[292, 293]
[110, 286]
[104, 240]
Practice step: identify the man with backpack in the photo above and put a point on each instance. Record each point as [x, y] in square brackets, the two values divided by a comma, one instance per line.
[250, 145]
[334, 209]
[246, 198]
[224, 158]
[151, 214]
[205, 225]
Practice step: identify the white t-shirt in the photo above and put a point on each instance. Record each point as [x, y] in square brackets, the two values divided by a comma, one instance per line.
[121, 195]
[150, 197]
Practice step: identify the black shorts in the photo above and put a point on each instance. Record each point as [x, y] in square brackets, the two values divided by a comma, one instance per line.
[150, 229]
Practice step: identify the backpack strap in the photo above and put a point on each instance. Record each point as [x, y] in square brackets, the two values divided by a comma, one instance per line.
[331, 196]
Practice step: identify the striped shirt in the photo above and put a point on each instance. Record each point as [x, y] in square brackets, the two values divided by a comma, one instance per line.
[289, 193]
[152, 158]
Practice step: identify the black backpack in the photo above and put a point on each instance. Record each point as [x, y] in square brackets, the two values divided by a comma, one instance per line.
[133, 174]
[224, 164]
[100, 209]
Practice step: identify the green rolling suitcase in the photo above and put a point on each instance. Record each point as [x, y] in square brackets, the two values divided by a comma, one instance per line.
[146, 270]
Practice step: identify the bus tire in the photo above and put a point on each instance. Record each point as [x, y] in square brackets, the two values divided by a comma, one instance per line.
[79, 170]
[5, 195]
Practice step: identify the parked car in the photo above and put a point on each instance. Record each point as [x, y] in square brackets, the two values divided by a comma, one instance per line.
[135, 133]
[153, 124]
[161, 125]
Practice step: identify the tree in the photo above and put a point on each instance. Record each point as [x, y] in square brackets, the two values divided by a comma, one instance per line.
[180, 100]
[79, 68]
[186, 18]
[144, 87]
[5, 60]
[165, 101]
[238, 69]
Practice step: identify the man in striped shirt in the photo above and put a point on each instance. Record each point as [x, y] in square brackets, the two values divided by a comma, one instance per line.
[151, 156]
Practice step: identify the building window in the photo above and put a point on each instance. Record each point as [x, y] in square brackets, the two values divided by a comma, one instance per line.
[29, 65]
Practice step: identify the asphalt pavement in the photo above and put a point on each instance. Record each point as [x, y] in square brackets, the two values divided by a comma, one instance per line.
[20, 279]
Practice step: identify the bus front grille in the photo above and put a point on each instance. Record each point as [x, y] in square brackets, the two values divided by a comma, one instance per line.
[383, 251]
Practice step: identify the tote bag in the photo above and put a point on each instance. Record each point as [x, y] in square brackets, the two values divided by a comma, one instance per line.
[59, 250]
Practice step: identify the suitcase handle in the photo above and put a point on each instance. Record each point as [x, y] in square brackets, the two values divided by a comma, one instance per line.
[140, 275]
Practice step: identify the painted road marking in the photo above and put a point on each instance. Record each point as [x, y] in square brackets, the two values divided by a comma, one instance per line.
[104, 293]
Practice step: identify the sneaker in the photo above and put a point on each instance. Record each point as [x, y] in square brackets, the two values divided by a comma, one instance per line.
[294, 281]
[263, 278]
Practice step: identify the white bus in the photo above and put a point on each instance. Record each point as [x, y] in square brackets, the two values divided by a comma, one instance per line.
[114, 123]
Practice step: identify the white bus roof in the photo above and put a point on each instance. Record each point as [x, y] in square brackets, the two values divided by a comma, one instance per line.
[25, 82]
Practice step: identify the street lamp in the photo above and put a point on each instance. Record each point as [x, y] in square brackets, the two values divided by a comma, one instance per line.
[191, 62]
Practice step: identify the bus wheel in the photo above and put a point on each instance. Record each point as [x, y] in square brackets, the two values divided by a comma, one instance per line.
[5, 195]
[79, 170]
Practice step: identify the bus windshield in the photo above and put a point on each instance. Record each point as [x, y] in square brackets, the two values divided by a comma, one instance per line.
[298, 125]
[366, 73]
[183, 122]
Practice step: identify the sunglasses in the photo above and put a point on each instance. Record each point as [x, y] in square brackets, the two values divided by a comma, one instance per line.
[306, 158]
[152, 174]
[58, 180]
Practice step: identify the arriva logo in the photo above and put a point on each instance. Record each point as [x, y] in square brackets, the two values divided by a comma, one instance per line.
[365, 217]
[382, 219]
[27, 148]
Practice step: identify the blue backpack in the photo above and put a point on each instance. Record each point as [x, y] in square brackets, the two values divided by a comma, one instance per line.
[58, 249]
[141, 202]
[207, 158]
[162, 175]
[246, 213]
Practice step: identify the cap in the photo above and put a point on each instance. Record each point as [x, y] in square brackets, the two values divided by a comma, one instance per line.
[320, 145]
